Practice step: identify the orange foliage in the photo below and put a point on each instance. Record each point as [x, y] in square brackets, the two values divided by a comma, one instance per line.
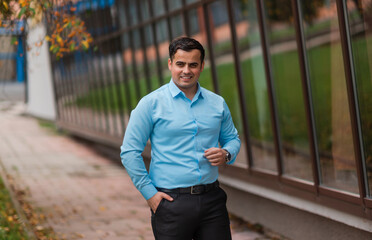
[66, 31]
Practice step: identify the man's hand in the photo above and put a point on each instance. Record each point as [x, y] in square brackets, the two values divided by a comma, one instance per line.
[216, 156]
[155, 200]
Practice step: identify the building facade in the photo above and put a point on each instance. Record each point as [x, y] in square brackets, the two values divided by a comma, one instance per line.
[296, 75]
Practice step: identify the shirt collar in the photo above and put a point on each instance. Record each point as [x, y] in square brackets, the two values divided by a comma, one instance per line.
[175, 91]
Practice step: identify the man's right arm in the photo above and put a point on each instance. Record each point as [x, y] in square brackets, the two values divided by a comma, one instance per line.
[135, 138]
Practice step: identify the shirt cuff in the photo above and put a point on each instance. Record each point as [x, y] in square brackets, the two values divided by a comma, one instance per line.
[148, 191]
[233, 155]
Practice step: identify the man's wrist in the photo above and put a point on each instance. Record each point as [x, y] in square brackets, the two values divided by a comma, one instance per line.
[227, 156]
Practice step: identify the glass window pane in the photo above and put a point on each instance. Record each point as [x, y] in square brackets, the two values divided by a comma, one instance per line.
[360, 22]
[194, 21]
[144, 7]
[151, 60]
[138, 64]
[163, 44]
[288, 89]
[132, 9]
[128, 70]
[177, 26]
[226, 75]
[109, 87]
[174, 4]
[190, 1]
[259, 117]
[328, 83]
[158, 7]
[219, 13]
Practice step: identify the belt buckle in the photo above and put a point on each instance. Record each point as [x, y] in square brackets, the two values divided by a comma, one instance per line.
[197, 189]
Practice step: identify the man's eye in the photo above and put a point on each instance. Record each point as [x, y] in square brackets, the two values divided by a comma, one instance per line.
[180, 64]
[193, 65]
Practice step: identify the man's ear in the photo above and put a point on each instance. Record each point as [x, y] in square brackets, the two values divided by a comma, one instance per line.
[169, 64]
[202, 66]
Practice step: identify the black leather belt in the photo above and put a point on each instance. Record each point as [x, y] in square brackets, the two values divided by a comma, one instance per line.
[197, 189]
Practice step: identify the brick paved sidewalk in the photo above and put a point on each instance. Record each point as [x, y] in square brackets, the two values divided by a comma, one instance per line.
[82, 194]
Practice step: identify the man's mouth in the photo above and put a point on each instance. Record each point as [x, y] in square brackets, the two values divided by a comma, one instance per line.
[186, 77]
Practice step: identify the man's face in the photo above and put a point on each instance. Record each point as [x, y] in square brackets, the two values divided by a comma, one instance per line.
[186, 68]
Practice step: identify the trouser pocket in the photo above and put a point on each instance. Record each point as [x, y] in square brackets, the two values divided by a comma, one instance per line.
[165, 220]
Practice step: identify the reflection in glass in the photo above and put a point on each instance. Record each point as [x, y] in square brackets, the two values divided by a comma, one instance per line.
[226, 75]
[194, 21]
[288, 89]
[127, 71]
[151, 60]
[331, 109]
[174, 4]
[109, 87]
[132, 9]
[177, 27]
[163, 44]
[360, 24]
[158, 7]
[253, 71]
[144, 8]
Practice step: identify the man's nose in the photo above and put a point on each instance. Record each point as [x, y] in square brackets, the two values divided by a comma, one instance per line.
[186, 69]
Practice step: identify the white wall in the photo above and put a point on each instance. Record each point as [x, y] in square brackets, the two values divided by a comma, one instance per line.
[40, 88]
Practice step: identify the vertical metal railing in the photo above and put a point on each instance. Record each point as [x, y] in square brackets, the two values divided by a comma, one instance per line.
[210, 48]
[90, 88]
[352, 98]
[169, 25]
[270, 84]
[239, 78]
[306, 87]
[155, 39]
[133, 49]
[186, 25]
[143, 45]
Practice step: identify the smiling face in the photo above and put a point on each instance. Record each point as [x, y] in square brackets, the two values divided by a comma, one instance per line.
[186, 68]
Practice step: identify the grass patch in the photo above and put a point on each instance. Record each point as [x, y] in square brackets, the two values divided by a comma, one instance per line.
[10, 225]
[50, 125]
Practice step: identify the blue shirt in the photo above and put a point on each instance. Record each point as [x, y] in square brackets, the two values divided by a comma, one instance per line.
[180, 130]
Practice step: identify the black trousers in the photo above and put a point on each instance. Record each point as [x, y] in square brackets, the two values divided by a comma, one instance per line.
[197, 217]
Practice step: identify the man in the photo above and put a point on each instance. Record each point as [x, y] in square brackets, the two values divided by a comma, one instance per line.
[185, 124]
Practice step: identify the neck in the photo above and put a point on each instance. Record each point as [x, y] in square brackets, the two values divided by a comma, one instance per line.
[190, 92]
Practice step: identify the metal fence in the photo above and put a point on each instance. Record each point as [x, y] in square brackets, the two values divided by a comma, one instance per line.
[295, 74]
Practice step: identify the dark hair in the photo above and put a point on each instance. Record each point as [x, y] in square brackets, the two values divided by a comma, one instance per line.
[186, 44]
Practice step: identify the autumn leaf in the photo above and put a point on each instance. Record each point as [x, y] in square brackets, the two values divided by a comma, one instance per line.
[72, 46]
[85, 44]
[6, 5]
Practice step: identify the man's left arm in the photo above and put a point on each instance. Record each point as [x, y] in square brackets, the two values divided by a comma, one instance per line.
[228, 139]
